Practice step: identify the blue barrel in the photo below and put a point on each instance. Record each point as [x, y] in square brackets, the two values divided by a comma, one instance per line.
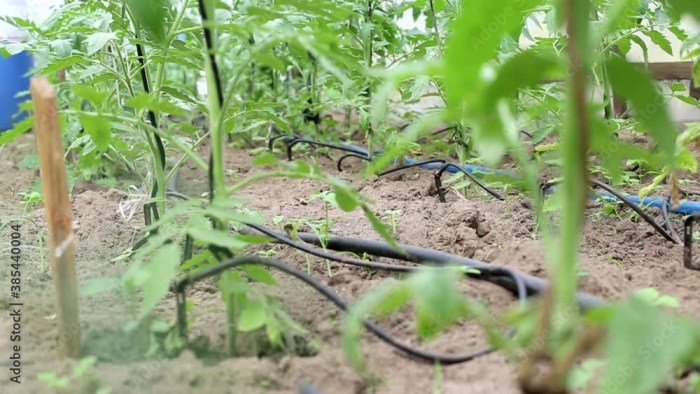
[15, 72]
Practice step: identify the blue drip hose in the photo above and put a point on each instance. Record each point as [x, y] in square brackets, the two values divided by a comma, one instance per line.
[684, 207]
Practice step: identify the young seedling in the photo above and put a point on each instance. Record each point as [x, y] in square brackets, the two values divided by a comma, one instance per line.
[391, 218]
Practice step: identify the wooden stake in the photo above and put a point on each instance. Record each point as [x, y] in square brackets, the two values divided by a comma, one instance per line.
[58, 214]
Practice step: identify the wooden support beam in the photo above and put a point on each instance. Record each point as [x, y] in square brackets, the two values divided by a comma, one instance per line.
[663, 71]
[59, 214]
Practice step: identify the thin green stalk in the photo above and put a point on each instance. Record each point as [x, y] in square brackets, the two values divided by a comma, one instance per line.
[575, 143]
[369, 49]
[231, 331]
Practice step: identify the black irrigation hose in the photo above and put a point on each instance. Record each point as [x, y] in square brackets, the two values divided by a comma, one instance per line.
[438, 176]
[494, 272]
[504, 277]
[287, 138]
[281, 238]
[636, 209]
[416, 164]
[295, 141]
[181, 285]
[361, 156]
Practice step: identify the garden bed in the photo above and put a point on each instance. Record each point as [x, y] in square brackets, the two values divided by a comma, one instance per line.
[619, 255]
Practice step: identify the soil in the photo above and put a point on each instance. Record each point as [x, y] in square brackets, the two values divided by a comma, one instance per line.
[619, 255]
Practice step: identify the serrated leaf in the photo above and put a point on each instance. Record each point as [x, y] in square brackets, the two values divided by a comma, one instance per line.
[62, 47]
[149, 101]
[152, 16]
[619, 15]
[98, 128]
[18, 129]
[660, 40]
[89, 93]
[96, 41]
[253, 316]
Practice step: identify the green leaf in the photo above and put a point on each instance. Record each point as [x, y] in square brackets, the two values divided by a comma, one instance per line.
[660, 40]
[89, 93]
[619, 15]
[18, 129]
[650, 107]
[62, 47]
[253, 316]
[677, 87]
[150, 101]
[476, 37]
[259, 274]
[438, 300]
[642, 346]
[98, 128]
[381, 228]
[345, 199]
[153, 16]
[643, 46]
[154, 277]
[265, 159]
[96, 41]
[216, 237]
[686, 7]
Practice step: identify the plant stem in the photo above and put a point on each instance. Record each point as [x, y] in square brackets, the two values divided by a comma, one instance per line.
[435, 27]
[368, 60]
[575, 143]
[216, 100]
[157, 147]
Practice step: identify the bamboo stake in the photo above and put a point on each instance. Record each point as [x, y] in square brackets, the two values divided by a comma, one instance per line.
[58, 214]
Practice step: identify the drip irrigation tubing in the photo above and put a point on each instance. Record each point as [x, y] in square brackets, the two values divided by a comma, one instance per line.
[181, 286]
[684, 207]
[521, 285]
[533, 285]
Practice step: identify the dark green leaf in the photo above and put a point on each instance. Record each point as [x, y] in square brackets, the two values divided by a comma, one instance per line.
[345, 199]
[98, 128]
[660, 40]
[153, 16]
